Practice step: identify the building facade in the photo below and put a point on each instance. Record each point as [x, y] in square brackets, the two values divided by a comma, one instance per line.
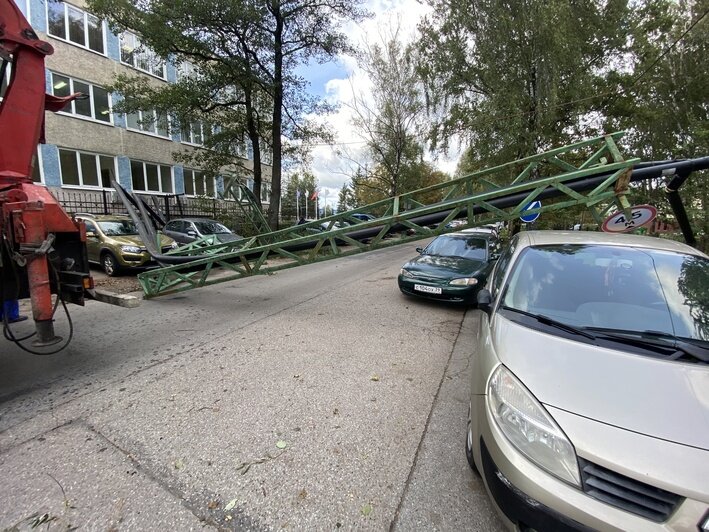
[88, 144]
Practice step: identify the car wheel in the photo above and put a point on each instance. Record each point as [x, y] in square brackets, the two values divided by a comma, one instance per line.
[109, 264]
[469, 438]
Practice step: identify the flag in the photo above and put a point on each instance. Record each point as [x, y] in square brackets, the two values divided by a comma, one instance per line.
[297, 194]
[314, 195]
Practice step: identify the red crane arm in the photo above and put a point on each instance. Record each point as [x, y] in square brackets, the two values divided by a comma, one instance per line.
[30, 217]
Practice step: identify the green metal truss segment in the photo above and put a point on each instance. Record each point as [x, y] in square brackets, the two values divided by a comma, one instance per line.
[249, 203]
[265, 254]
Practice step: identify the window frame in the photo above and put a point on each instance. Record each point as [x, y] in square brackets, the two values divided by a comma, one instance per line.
[159, 166]
[77, 156]
[265, 194]
[92, 100]
[194, 173]
[155, 122]
[146, 49]
[38, 167]
[65, 37]
[202, 128]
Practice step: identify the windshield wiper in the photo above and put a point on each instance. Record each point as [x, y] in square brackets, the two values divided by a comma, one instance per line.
[546, 320]
[657, 339]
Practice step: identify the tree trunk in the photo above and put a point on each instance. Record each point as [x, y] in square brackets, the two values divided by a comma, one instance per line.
[277, 117]
[254, 138]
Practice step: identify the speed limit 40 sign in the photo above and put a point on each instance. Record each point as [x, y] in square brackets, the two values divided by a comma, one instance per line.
[619, 223]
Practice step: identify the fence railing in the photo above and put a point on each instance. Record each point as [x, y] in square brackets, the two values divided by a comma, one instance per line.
[170, 206]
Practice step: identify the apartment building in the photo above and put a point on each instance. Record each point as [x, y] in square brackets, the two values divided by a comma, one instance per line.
[88, 144]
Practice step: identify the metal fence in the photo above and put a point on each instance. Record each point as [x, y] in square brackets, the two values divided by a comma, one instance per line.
[169, 206]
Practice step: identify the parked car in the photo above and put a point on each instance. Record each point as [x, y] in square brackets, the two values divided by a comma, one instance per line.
[325, 226]
[113, 242]
[589, 403]
[363, 217]
[452, 267]
[186, 230]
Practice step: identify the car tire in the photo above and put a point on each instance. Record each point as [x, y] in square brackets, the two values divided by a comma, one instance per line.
[469, 438]
[109, 264]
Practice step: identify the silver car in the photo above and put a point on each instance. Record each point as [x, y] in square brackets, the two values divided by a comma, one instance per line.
[589, 405]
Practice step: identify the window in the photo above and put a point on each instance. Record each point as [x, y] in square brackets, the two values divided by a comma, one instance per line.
[37, 168]
[5, 73]
[76, 26]
[149, 122]
[139, 56]
[196, 133]
[97, 104]
[83, 169]
[197, 184]
[186, 70]
[501, 266]
[266, 192]
[150, 177]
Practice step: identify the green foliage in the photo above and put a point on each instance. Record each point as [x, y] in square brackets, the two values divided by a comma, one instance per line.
[390, 120]
[499, 74]
[306, 183]
[372, 187]
[346, 198]
[512, 78]
[245, 54]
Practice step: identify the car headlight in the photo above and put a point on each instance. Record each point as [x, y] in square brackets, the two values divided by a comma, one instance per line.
[530, 428]
[406, 273]
[130, 249]
[464, 281]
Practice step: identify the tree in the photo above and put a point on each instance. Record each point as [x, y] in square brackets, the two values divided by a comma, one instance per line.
[345, 199]
[509, 77]
[388, 120]
[253, 49]
[300, 187]
[662, 102]
[368, 188]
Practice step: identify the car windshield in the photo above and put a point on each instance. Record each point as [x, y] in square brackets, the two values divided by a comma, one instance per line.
[208, 227]
[615, 288]
[118, 228]
[456, 246]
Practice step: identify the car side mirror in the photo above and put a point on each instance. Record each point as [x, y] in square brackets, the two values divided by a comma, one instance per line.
[485, 300]
[191, 233]
[419, 250]
[90, 234]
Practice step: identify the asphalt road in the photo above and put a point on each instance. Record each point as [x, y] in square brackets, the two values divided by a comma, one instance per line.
[316, 398]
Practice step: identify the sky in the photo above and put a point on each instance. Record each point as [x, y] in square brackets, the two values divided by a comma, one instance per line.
[336, 82]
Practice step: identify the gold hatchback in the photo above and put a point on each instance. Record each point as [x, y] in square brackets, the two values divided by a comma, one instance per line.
[113, 242]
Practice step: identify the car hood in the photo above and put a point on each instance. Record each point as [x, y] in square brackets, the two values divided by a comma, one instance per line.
[128, 240]
[442, 267]
[658, 398]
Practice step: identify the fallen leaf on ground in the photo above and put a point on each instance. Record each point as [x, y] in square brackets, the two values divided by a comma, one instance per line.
[230, 505]
[366, 509]
[179, 464]
[281, 444]
[213, 505]
[375, 378]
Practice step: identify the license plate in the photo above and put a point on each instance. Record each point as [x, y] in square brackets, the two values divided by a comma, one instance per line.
[427, 289]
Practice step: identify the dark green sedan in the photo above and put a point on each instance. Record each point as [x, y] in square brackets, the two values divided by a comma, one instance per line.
[452, 267]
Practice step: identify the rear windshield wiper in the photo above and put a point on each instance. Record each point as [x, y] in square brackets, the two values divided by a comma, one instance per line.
[546, 320]
[665, 341]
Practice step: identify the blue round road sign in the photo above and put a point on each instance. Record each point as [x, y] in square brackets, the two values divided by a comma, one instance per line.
[533, 216]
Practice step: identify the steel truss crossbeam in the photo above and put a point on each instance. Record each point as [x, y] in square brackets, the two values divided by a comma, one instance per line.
[408, 216]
